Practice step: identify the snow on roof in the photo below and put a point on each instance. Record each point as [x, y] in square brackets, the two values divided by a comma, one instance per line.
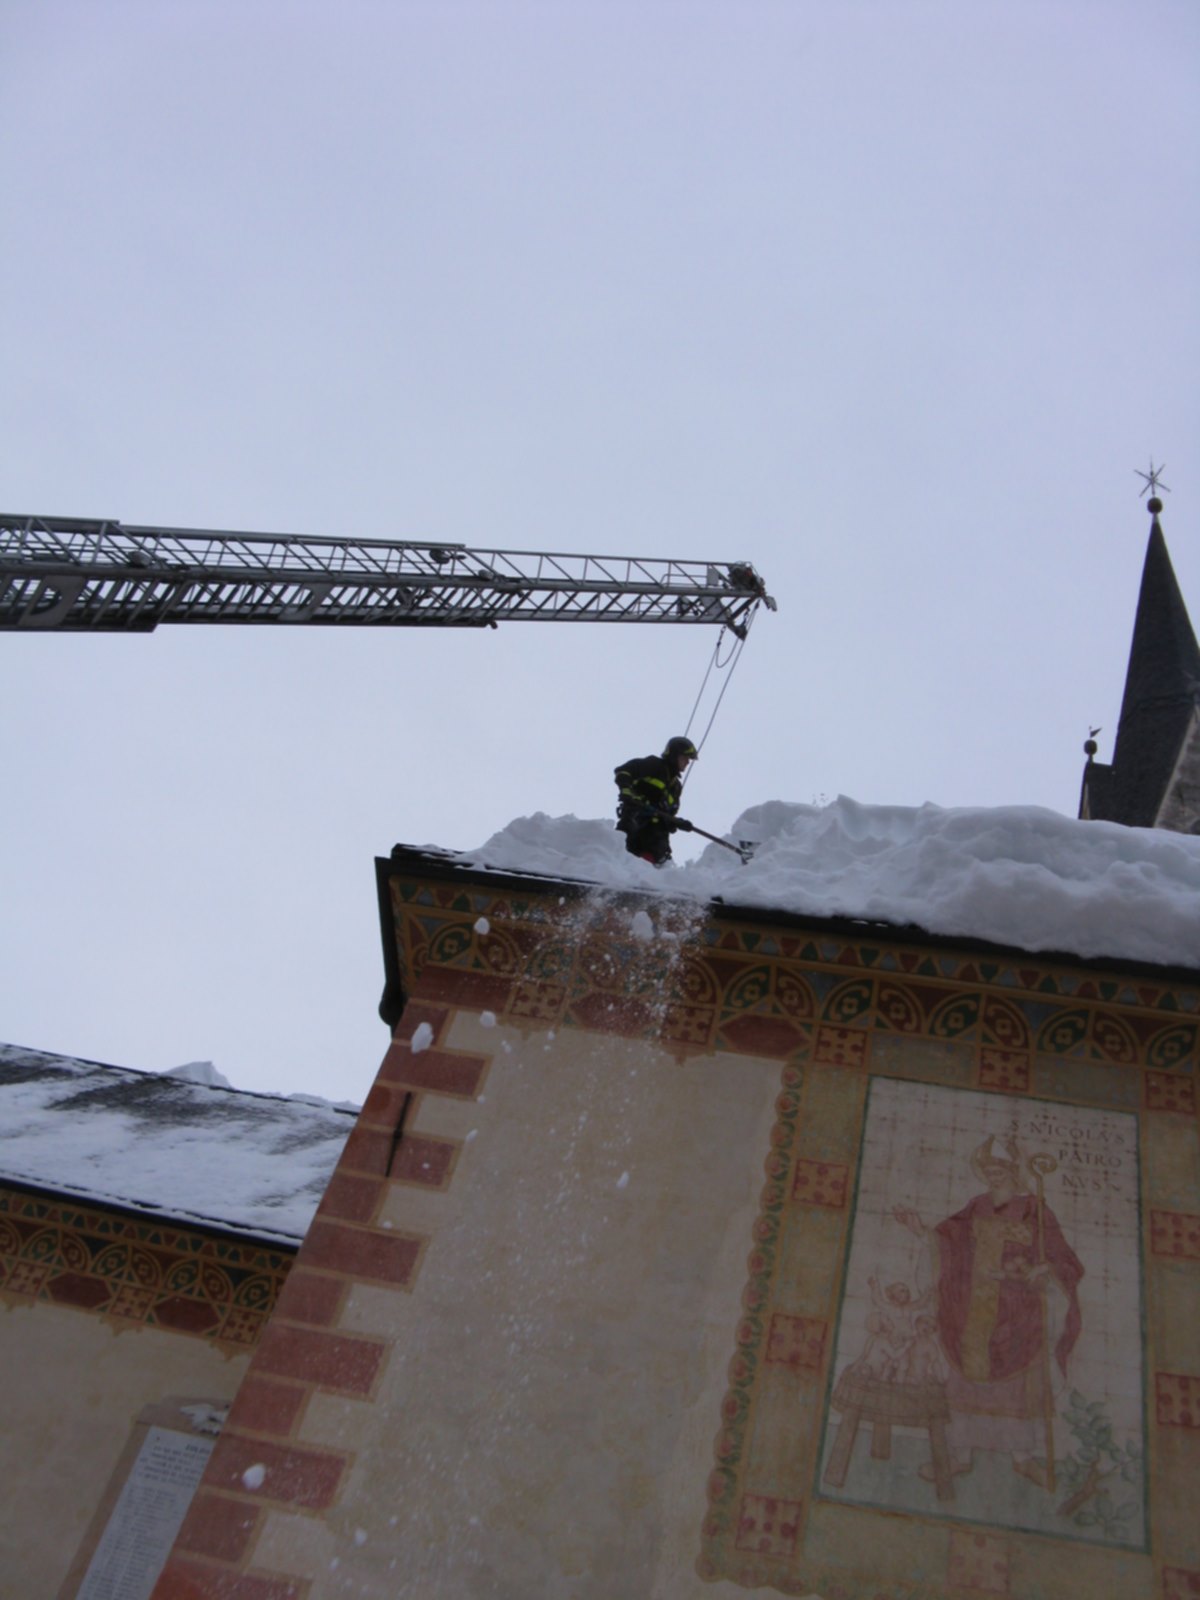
[174, 1145]
[1020, 876]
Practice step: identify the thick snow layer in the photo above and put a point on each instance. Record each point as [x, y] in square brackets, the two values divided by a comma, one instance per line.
[200, 1072]
[1015, 875]
[166, 1143]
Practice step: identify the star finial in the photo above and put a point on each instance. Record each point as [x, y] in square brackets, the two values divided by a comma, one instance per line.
[1153, 479]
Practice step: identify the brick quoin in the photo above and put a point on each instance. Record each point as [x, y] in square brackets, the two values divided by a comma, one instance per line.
[440, 1071]
[217, 1527]
[293, 1476]
[309, 1297]
[422, 1160]
[351, 1197]
[187, 1580]
[362, 1252]
[338, 1362]
[367, 1150]
[383, 1105]
[262, 1406]
[415, 1013]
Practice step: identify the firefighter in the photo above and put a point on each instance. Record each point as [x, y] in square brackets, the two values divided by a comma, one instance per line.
[648, 804]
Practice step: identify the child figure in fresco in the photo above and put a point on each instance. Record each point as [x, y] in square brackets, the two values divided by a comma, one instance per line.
[923, 1360]
[892, 1330]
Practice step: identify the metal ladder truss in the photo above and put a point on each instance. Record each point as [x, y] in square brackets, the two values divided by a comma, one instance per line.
[82, 575]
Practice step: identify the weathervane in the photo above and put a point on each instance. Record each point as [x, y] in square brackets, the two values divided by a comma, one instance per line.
[1153, 479]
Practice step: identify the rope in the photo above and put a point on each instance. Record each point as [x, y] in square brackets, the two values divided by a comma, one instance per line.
[731, 662]
[711, 664]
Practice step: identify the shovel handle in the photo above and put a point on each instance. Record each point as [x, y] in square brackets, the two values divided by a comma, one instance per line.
[724, 843]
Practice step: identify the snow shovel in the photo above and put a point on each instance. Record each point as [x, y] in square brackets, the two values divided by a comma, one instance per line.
[745, 848]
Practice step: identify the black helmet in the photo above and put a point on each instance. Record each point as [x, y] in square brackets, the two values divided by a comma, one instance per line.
[682, 747]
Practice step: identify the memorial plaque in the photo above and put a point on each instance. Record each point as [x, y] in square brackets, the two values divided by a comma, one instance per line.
[146, 1517]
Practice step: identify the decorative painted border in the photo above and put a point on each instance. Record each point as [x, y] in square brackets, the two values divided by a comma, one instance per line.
[699, 985]
[147, 1273]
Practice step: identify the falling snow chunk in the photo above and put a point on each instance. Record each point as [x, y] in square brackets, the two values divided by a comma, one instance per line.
[255, 1476]
[360, 1536]
[206, 1418]
[623, 1181]
[641, 927]
[472, 1134]
[482, 925]
[422, 1038]
[487, 1019]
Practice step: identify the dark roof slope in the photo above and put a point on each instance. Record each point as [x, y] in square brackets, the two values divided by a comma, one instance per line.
[1162, 691]
[251, 1163]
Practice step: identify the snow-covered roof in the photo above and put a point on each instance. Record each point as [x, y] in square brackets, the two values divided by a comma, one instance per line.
[182, 1145]
[1019, 876]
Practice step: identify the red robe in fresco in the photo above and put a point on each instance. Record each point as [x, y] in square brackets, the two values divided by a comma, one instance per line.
[991, 1320]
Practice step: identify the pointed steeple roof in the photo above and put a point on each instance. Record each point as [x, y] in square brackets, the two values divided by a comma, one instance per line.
[1159, 707]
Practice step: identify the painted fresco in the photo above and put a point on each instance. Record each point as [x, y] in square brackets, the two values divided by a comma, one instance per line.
[967, 1356]
[138, 1271]
[989, 1361]
[1030, 1342]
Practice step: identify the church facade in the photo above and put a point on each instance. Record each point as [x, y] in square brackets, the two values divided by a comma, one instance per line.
[684, 1253]
[680, 1250]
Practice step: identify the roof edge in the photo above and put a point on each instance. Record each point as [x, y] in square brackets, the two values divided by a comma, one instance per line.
[445, 866]
[343, 1108]
[287, 1242]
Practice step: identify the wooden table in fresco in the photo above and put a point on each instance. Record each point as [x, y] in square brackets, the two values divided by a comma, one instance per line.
[861, 1398]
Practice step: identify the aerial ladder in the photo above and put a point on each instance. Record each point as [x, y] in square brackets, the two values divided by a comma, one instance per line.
[83, 575]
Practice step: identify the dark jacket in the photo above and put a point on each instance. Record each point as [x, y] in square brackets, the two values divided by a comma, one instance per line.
[647, 783]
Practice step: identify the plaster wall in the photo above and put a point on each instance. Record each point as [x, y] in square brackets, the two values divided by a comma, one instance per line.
[557, 1373]
[73, 1388]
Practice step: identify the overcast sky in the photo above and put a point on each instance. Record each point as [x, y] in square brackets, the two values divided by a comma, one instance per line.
[889, 299]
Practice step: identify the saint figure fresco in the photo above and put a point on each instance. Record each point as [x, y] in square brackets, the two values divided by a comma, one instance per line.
[1008, 1316]
[988, 1359]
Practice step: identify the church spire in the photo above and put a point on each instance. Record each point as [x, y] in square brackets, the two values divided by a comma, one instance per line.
[1150, 782]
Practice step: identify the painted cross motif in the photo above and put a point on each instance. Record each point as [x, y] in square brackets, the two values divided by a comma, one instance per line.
[820, 1183]
[1003, 1069]
[1175, 1234]
[979, 1562]
[768, 1526]
[797, 1342]
[1170, 1091]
